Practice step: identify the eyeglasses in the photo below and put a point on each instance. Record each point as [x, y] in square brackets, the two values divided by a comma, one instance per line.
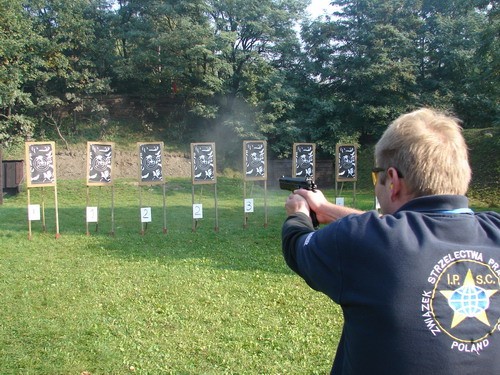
[377, 170]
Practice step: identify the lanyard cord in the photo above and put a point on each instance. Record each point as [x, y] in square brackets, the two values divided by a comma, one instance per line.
[451, 212]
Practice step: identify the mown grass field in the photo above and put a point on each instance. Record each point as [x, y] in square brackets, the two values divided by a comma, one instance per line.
[184, 302]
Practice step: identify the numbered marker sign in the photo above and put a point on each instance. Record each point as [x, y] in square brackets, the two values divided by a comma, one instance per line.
[197, 211]
[248, 205]
[92, 215]
[339, 201]
[145, 214]
[34, 212]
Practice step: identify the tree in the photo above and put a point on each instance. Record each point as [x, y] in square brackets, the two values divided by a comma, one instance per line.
[219, 59]
[484, 104]
[250, 36]
[365, 55]
[458, 42]
[165, 52]
[17, 64]
[225, 70]
[66, 76]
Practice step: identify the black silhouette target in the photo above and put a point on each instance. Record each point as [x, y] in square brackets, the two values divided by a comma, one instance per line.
[203, 163]
[100, 163]
[346, 165]
[41, 168]
[254, 159]
[151, 163]
[304, 159]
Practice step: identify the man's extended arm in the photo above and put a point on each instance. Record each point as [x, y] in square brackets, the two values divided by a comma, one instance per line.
[326, 212]
[295, 226]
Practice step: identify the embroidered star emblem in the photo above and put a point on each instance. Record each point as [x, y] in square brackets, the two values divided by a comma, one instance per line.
[469, 301]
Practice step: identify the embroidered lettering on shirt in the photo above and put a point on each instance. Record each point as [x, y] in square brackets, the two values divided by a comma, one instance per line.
[464, 289]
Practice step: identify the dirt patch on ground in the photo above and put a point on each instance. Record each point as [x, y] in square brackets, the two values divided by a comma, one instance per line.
[72, 164]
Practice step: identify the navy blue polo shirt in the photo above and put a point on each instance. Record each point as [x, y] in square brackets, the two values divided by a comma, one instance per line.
[419, 289]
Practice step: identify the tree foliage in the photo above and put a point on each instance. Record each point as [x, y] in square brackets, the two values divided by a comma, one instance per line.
[226, 70]
[377, 59]
[17, 61]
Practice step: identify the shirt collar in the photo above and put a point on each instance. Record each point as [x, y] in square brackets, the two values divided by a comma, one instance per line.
[438, 203]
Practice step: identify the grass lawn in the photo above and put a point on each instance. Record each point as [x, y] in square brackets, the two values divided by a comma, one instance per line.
[184, 302]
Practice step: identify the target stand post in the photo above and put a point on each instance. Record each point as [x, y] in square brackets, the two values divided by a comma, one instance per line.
[346, 167]
[203, 172]
[100, 172]
[150, 173]
[41, 172]
[198, 209]
[255, 164]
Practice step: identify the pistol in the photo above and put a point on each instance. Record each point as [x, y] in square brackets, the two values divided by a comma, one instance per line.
[294, 183]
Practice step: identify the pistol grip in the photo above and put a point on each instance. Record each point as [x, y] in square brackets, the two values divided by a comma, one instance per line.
[314, 219]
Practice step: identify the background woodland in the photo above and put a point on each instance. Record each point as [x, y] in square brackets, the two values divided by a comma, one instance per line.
[228, 70]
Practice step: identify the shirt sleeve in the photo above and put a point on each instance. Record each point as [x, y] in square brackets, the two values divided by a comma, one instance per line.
[294, 228]
[312, 254]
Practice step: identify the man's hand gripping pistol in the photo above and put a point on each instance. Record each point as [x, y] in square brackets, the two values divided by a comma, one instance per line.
[294, 183]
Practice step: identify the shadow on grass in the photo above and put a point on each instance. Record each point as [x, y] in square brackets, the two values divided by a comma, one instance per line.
[223, 240]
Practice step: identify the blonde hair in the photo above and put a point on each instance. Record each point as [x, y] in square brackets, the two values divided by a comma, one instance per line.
[428, 148]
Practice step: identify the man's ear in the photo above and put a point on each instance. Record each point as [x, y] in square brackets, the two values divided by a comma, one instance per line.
[394, 182]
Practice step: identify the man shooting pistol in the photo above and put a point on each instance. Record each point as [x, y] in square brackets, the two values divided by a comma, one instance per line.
[294, 183]
[391, 273]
